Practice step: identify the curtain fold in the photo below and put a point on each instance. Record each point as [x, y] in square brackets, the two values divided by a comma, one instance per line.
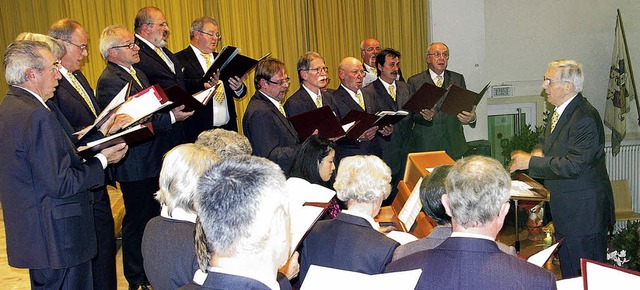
[286, 28]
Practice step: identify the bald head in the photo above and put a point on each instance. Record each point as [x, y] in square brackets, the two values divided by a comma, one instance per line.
[350, 73]
[369, 49]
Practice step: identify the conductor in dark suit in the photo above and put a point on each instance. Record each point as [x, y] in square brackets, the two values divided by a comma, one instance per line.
[158, 63]
[76, 100]
[47, 206]
[196, 59]
[265, 122]
[570, 159]
[138, 172]
[352, 241]
[313, 76]
[349, 96]
[247, 227]
[437, 130]
[477, 195]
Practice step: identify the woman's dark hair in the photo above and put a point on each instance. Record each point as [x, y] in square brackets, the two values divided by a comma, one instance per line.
[305, 166]
[431, 190]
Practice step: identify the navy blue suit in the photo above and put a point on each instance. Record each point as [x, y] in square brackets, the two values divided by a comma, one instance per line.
[348, 243]
[202, 119]
[220, 281]
[79, 114]
[45, 188]
[473, 263]
[137, 172]
[270, 133]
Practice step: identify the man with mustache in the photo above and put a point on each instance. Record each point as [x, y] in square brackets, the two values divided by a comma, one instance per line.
[437, 130]
[139, 171]
[265, 121]
[312, 73]
[159, 64]
[196, 59]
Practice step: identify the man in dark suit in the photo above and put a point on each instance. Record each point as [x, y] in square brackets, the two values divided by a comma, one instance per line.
[570, 159]
[477, 195]
[247, 227]
[45, 186]
[312, 73]
[391, 95]
[196, 59]
[139, 171]
[437, 130]
[265, 122]
[74, 96]
[349, 96]
[158, 63]
[369, 49]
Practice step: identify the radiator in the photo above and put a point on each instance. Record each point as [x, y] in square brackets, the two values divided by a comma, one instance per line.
[626, 165]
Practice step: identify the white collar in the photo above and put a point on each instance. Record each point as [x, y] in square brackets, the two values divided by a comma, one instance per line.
[471, 235]
[564, 105]
[146, 41]
[311, 93]
[35, 95]
[434, 76]
[373, 223]
[178, 214]
[385, 84]
[351, 93]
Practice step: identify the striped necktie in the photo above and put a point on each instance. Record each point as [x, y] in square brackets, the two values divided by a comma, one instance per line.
[392, 92]
[554, 120]
[207, 60]
[318, 101]
[135, 77]
[360, 100]
[281, 109]
[76, 85]
[439, 81]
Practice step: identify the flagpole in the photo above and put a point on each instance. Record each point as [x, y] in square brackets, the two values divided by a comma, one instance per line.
[626, 50]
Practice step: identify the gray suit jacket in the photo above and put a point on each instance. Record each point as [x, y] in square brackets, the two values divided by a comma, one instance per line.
[444, 132]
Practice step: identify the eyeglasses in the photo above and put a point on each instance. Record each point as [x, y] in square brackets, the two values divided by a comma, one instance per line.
[82, 47]
[548, 81]
[163, 24]
[318, 69]
[371, 48]
[280, 82]
[57, 65]
[216, 35]
[131, 46]
[356, 72]
[445, 55]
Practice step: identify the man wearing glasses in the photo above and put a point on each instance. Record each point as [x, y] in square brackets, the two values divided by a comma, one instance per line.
[196, 60]
[265, 122]
[139, 170]
[313, 76]
[437, 130]
[76, 100]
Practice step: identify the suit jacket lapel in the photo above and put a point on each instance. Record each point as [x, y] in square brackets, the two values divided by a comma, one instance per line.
[568, 111]
[87, 87]
[348, 100]
[276, 111]
[193, 61]
[146, 49]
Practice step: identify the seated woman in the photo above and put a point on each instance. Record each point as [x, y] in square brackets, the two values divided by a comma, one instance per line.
[431, 190]
[352, 241]
[315, 164]
[168, 241]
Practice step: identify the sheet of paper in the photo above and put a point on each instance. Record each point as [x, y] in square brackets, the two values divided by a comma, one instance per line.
[608, 277]
[401, 237]
[541, 257]
[570, 284]
[520, 188]
[412, 207]
[318, 278]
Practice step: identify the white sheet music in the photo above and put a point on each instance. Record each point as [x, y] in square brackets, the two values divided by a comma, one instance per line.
[541, 257]
[318, 278]
[412, 207]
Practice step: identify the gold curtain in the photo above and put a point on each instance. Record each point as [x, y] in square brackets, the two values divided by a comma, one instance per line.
[286, 28]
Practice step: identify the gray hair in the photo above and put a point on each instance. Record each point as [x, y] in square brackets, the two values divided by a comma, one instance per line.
[20, 56]
[225, 143]
[304, 63]
[570, 71]
[182, 167]
[143, 17]
[362, 179]
[109, 38]
[55, 45]
[63, 28]
[431, 44]
[477, 187]
[199, 23]
[235, 199]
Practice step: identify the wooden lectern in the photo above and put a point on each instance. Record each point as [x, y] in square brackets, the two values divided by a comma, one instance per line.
[418, 166]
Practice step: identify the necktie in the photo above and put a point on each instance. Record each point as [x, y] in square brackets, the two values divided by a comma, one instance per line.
[318, 101]
[439, 81]
[76, 85]
[207, 60]
[392, 92]
[360, 100]
[281, 109]
[159, 52]
[218, 94]
[554, 120]
[374, 72]
[135, 77]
